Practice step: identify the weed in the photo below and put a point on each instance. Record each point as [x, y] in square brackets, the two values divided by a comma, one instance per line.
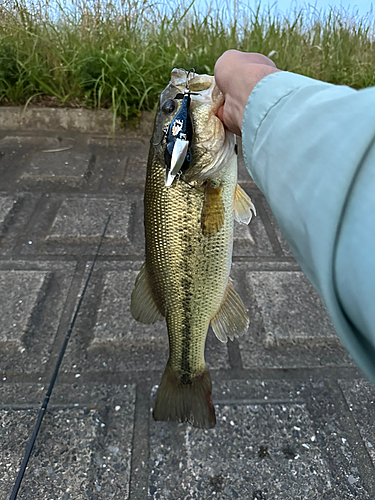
[118, 54]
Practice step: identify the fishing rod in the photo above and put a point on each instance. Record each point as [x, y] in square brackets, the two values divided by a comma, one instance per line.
[43, 408]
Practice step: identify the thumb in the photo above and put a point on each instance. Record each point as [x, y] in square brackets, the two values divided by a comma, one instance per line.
[220, 113]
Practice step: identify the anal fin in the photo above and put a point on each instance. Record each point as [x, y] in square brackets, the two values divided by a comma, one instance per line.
[243, 206]
[213, 211]
[231, 319]
[143, 306]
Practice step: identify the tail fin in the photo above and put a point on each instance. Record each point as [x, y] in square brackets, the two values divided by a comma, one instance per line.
[189, 401]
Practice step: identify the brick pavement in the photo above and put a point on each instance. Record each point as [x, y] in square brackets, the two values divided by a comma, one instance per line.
[295, 416]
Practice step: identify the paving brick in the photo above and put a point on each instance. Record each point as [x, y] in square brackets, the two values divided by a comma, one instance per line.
[289, 326]
[251, 240]
[33, 297]
[115, 325]
[107, 337]
[290, 307]
[15, 212]
[284, 244]
[255, 458]
[292, 438]
[6, 206]
[9, 168]
[327, 419]
[243, 174]
[83, 451]
[360, 396]
[258, 449]
[74, 226]
[84, 218]
[108, 143]
[136, 166]
[14, 141]
[125, 161]
[122, 165]
[69, 167]
[20, 291]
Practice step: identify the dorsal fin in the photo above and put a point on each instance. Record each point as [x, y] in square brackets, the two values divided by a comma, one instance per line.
[143, 306]
[243, 206]
[231, 319]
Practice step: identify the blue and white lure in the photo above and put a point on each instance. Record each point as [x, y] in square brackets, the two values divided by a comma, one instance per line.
[179, 136]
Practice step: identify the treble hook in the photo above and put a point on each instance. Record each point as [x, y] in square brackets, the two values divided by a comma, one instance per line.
[187, 90]
[191, 70]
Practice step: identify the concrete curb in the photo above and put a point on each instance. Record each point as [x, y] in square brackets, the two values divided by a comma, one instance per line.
[73, 119]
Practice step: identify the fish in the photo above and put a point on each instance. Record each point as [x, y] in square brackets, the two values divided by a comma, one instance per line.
[190, 202]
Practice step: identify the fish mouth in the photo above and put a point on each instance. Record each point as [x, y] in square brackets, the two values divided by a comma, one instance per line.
[203, 87]
[211, 144]
[211, 95]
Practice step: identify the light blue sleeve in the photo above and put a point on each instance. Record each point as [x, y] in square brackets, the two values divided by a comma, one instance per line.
[310, 148]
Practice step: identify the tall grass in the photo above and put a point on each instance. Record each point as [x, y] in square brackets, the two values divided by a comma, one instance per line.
[118, 54]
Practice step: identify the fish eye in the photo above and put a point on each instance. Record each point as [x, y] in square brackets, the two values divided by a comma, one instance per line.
[168, 106]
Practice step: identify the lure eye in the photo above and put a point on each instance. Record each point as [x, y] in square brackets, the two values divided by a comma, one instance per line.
[168, 106]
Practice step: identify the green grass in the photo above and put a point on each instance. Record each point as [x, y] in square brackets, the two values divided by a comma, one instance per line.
[119, 54]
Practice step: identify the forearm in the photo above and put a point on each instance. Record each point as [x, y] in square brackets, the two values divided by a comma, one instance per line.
[304, 142]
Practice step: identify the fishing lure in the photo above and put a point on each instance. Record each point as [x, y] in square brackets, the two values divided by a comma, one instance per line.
[179, 137]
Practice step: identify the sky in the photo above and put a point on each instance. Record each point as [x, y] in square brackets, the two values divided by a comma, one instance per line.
[362, 7]
[354, 8]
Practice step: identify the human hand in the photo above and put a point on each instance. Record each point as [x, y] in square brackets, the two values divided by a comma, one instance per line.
[236, 74]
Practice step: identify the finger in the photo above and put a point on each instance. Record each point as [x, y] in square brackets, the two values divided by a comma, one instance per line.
[235, 58]
[220, 113]
[255, 58]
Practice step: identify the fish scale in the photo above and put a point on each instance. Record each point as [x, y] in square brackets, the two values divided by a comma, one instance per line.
[189, 241]
[186, 266]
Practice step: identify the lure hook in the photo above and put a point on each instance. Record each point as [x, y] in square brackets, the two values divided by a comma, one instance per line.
[191, 70]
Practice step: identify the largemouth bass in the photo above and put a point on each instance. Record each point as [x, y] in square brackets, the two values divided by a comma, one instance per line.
[191, 200]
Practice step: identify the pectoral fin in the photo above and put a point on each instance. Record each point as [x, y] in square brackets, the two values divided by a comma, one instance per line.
[213, 210]
[143, 306]
[243, 206]
[232, 319]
